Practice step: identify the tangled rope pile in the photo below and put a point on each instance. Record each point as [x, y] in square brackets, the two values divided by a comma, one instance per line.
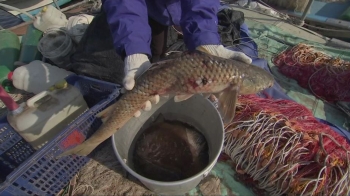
[285, 150]
[326, 77]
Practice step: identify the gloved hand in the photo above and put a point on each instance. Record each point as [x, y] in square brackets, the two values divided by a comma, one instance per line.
[221, 51]
[135, 65]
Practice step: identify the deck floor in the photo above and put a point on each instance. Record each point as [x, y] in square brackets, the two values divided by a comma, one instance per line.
[104, 175]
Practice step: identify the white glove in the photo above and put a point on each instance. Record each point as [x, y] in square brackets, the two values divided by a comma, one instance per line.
[135, 65]
[221, 51]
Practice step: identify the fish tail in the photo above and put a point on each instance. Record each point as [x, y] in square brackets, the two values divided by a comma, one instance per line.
[98, 137]
[82, 149]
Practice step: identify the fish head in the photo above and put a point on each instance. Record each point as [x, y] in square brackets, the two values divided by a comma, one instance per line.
[255, 79]
[243, 79]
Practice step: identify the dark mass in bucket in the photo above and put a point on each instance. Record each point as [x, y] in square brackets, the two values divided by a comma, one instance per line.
[169, 151]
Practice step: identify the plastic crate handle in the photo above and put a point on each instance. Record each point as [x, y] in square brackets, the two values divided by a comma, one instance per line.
[31, 102]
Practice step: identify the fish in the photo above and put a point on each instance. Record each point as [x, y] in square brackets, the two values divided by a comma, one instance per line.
[192, 72]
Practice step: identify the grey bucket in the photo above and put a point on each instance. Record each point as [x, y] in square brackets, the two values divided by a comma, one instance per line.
[57, 45]
[196, 111]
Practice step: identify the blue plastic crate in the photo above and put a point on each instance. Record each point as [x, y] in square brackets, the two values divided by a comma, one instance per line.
[14, 150]
[40, 173]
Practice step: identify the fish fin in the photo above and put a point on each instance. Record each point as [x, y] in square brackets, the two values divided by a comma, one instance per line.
[83, 149]
[179, 98]
[227, 104]
[160, 118]
[202, 49]
[159, 64]
[105, 114]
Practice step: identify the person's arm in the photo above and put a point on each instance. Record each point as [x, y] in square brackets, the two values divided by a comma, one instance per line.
[128, 21]
[199, 22]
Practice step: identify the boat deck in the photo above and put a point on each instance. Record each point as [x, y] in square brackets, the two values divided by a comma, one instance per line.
[322, 11]
[104, 174]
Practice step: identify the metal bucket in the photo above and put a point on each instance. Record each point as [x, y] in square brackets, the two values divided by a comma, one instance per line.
[196, 111]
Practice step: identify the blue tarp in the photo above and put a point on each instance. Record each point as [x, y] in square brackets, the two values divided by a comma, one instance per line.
[250, 48]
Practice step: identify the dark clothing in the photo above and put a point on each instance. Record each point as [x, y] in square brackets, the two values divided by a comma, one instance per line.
[158, 40]
[230, 22]
[128, 21]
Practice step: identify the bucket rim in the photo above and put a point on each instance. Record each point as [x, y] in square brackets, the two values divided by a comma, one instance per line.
[208, 168]
[65, 51]
[53, 54]
[53, 30]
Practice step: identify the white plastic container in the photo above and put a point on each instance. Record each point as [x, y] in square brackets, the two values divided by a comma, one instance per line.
[47, 114]
[77, 26]
[37, 76]
[48, 17]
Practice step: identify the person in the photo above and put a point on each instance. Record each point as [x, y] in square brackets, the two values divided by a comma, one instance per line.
[139, 31]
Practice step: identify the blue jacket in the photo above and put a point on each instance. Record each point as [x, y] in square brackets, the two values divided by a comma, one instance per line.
[128, 21]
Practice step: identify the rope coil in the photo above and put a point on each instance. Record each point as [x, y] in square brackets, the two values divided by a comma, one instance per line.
[285, 150]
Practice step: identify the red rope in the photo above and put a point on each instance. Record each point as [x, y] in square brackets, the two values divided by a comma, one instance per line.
[299, 118]
[325, 146]
[325, 77]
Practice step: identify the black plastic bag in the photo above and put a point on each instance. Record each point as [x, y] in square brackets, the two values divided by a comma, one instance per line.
[95, 55]
[230, 22]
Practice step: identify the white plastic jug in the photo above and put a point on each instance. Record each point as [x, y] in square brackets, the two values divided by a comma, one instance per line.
[37, 76]
[49, 17]
[48, 113]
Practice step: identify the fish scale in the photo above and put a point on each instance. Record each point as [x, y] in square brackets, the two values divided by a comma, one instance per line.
[181, 76]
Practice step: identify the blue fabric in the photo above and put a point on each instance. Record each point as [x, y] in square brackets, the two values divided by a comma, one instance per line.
[128, 21]
[250, 48]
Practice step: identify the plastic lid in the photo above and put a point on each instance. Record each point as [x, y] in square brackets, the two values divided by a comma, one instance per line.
[61, 84]
[44, 9]
[8, 88]
[10, 75]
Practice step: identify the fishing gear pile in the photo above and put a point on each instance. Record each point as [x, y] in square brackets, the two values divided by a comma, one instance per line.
[279, 147]
[326, 77]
